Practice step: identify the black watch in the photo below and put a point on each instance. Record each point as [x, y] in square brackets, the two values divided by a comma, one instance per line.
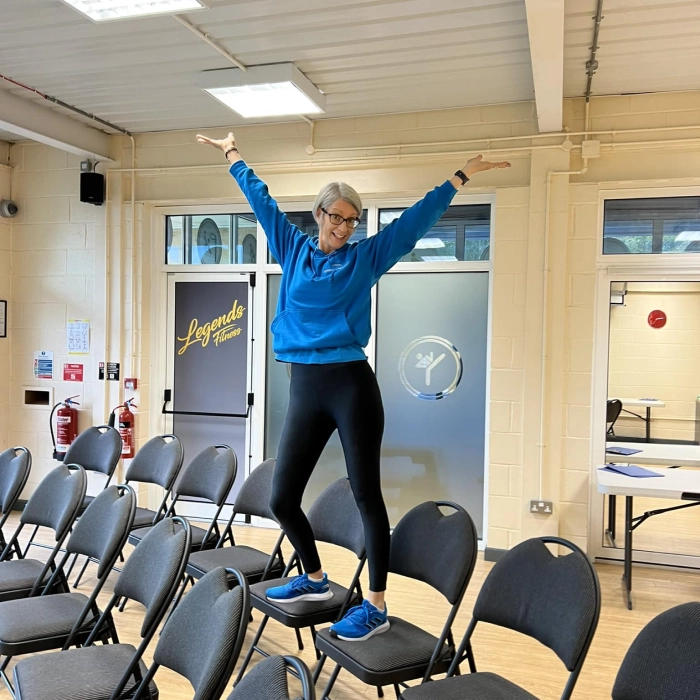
[462, 177]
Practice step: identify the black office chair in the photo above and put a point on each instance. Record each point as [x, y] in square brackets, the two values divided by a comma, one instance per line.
[663, 662]
[613, 413]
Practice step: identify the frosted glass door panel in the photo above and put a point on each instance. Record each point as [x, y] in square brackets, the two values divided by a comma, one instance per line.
[331, 465]
[431, 366]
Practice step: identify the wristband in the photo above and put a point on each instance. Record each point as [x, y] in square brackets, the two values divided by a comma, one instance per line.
[462, 177]
[233, 148]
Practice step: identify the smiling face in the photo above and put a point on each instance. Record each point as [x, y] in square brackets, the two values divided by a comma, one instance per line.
[334, 236]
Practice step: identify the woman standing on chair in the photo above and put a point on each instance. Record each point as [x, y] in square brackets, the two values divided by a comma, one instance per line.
[321, 329]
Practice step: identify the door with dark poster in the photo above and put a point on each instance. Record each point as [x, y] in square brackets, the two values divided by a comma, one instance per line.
[209, 365]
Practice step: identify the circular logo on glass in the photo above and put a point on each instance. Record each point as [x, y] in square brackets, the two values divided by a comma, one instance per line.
[430, 367]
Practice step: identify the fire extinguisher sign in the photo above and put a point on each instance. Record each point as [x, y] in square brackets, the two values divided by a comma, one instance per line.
[72, 372]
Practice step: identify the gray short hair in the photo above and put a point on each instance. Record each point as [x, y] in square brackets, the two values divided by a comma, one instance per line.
[334, 191]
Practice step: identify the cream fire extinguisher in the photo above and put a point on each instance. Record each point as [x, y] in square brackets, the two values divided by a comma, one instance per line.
[126, 427]
[66, 426]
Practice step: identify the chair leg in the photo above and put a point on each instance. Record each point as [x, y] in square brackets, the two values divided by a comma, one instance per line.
[251, 651]
[380, 691]
[331, 683]
[82, 571]
[5, 677]
[397, 690]
[70, 568]
[313, 639]
[31, 539]
[300, 643]
[123, 605]
[319, 668]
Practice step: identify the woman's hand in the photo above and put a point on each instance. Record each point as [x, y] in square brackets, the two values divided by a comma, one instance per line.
[223, 144]
[478, 164]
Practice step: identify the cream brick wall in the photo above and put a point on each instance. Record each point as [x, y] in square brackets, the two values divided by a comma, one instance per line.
[661, 363]
[53, 280]
[5, 290]
[520, 467]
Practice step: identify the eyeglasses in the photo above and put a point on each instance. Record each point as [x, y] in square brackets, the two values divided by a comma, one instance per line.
[337, 219]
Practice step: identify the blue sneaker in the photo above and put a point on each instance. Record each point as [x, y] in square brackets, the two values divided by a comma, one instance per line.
[361, 623]
[300, 588]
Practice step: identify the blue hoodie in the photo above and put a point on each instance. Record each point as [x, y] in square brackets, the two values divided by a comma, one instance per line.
[324, 309]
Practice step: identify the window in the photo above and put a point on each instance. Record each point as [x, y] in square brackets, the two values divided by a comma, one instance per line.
[217, 239]
[461, 234]
[657, 225]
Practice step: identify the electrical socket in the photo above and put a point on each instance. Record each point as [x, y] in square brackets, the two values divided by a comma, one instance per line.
[542, 507]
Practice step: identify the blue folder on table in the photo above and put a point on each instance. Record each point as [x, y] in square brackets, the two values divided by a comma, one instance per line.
[622, 451]
[630, 470]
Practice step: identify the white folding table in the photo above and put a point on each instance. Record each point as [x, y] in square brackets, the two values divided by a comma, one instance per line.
[648, 404]
[661, 454]
[675, 484]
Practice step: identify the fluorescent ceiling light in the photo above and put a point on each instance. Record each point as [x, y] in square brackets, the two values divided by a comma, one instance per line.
[264, 91]
[102, 10]
[688, 236]
[430, 243]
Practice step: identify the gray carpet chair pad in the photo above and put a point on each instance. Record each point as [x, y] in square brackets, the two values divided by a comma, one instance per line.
[472, 686]
[326, 610]
[20, 574]
[247, 560]
[35, 618]
[90, 673]
[402, 649]
[198, 534]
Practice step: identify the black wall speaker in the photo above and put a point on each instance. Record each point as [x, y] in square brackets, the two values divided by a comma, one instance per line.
[92, 188]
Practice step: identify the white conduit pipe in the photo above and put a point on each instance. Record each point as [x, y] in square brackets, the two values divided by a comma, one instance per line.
[210, 41]
[132, 357]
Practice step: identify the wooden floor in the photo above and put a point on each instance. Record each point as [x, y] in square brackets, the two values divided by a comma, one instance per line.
[521, 660]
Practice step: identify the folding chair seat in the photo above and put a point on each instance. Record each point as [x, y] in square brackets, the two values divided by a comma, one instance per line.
[58, 621]
[268, 680]
[150, 576]
[334, 519]
[255, 565]
[663, 662]
[15, 465]
[555, 600]
[55, 504]
[209, 476]
[427, 546]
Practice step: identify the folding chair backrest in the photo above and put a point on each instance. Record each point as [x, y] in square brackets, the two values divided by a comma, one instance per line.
[254, 496]
[96, 449]
[15, 465]
[157, 462]
[613, 410]
[203, 637]
[438, 549]
[663, 662]
[57, 499]
[153, 569]
[104, 526]
[555, 600]
[209, 475]
[268, 680]
[335, 518]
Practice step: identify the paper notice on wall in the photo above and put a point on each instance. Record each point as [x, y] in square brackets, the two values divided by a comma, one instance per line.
[43, 364]
[78, 337]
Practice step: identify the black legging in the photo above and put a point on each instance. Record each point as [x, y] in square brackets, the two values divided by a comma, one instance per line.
[342, 395]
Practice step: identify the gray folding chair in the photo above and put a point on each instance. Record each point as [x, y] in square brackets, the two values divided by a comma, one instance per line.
[55, 504]
[97, 449]
[555, 600]
[255, 565]
[268, 680]
[58, 621]
[203, 638]
[427, 546]
[335, 519]
[663, 662]
[15, 465]
[150, 576]
[209, 476]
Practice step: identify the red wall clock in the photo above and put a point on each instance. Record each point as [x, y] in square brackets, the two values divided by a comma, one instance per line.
[657, 319]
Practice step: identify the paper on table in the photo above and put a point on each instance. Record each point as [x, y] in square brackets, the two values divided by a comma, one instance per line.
[621, 450]
[630, 470]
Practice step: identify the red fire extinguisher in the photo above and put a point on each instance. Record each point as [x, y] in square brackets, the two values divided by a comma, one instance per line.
[126, 428]
[66, 426]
